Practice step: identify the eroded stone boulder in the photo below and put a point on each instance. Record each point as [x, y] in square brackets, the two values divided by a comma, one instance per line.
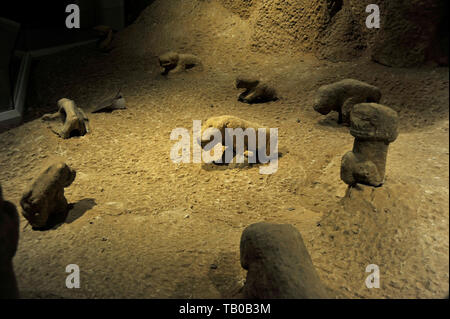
[342, 96]
[9, 239]
[43, 202]
[278, 264]
[412, 32]
[374, 127]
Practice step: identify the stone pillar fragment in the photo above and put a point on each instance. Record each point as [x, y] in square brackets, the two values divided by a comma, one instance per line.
[374, 127]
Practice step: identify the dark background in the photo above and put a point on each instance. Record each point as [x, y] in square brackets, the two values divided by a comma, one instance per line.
[43, 22]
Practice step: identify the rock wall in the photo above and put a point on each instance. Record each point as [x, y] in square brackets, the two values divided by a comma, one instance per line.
[411, 33]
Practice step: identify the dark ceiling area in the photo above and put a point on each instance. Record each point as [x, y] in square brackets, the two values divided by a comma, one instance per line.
[43, 22]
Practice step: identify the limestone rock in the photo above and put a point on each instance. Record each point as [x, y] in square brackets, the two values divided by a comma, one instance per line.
[222, 123]
[255, 91]
[411, 33]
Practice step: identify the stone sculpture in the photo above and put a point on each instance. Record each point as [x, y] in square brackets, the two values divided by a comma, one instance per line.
[374, 127]
[342, 96]
[73, 121]
[43, 202]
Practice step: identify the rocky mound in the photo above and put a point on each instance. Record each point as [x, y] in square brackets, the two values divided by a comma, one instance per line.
[412, 32]
[378, 226]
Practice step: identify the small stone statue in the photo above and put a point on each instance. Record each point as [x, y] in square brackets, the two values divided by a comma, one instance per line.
[224, 122]
[374, 126]
[172, 62]
[255, 91]
[9, 239]
[74, 120]
[43, 201]
[342, 96]
[278, 264]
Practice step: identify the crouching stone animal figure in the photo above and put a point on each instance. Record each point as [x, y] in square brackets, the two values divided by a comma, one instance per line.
[278, 264]
[9, 239]
[172, 62]
[374, 126]
[228, 125]
[342, 96]
[43, 202]
[73, 120]
[255, 91]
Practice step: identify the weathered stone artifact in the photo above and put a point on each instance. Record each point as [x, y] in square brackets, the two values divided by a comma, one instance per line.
[73, 120]
[255, 91]
[9, 239]
[175, 62]
[43, 201]
[374, 126]
[116, 103]
[222, 123]
[342, 96]
[278, 264]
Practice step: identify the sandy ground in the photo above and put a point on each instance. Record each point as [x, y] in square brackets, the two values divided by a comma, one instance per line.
[144, 227]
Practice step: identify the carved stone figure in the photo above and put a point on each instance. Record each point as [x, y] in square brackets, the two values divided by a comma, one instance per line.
[342, 96]
[72, 120]
[374, 127]
[255, 91]
[43, 202]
